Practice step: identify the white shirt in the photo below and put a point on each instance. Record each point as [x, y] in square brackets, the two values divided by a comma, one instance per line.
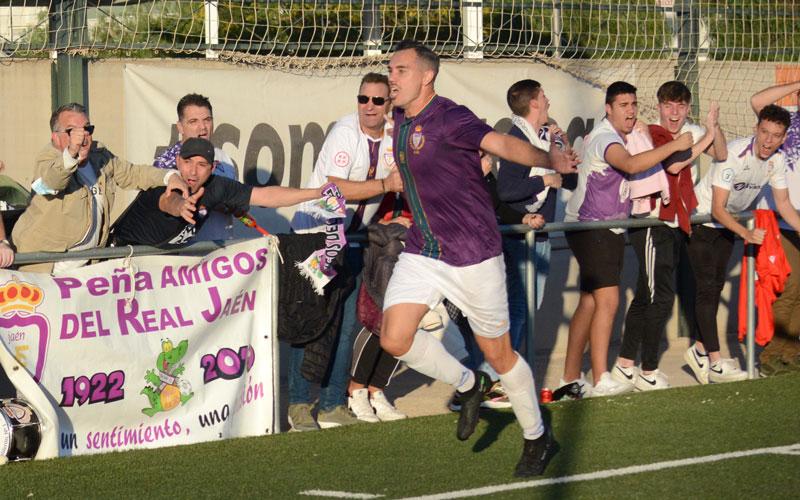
[345, 154]
[743, 175]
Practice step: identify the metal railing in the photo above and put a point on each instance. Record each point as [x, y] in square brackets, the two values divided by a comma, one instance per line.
[204, 247]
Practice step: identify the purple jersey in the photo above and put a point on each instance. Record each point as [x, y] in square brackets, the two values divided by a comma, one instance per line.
[602, 192]
[791, 146]
[437, 153]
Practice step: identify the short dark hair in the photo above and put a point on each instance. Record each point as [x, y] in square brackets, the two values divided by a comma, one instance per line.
[520, 94]
[374, 78]
[674, 91]
[427, 55]
[777, 114]
[198, 100]
[73, 106]
[618, 88]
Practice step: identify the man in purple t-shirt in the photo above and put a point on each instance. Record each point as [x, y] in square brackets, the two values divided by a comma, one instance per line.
[453, 249]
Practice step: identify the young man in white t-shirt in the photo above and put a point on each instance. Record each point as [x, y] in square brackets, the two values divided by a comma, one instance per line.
[658, 247]
[728, 188]
[603, 194]
[784, 345]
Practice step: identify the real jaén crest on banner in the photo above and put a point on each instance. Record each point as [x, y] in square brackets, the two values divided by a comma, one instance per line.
[25, 332]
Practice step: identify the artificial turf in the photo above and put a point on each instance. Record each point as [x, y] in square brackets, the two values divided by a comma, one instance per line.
[421, 456]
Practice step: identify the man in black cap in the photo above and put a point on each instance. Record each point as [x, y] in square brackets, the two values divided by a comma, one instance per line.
[158, 217]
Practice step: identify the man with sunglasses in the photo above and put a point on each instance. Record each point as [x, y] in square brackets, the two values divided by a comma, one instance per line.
[75, 181]
[357, 156]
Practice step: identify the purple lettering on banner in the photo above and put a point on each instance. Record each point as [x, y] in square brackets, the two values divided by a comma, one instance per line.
[143, 281]
[69, 326]
[249, 301]
[167, 279]
[261, 257]
[167, 321]
[211, 314]
[248, 259]
[65, 286]
[87, 322]
[97, 286]
[225, 272]
[121, 281]
[149, 320]
[124, 318]
[188, 275]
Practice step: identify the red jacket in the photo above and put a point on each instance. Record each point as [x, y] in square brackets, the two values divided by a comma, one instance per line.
[772, 271]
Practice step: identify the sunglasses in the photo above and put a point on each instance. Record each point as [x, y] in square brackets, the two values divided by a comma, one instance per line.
[88, 128]
[378, 101]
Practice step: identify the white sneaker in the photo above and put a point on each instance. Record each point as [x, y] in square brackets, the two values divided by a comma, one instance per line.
[652, 381]
[607, 386]
[563, 390]
[624, 375]
[726, 370]
[359, 405]
[384, 410]
[698, 363]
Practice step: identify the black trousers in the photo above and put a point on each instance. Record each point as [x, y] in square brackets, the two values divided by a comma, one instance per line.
[709, 251]
[371, 364]
[658, 251]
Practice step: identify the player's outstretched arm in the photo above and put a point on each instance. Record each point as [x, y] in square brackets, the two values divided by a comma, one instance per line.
[619, 158]
[771, 94]
[279, 196]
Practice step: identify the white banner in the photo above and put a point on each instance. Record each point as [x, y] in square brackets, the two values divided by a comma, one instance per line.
[273, 123]
[154, 351]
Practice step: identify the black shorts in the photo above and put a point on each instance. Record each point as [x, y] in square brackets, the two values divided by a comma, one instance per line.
[599, 253]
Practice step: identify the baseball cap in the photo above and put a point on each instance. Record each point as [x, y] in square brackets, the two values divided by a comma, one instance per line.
[197, 146]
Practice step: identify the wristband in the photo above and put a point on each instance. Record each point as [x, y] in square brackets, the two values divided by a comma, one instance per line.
[7, 243]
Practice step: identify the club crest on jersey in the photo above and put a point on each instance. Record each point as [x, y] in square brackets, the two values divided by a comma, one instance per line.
[388, 156]
[417, 139]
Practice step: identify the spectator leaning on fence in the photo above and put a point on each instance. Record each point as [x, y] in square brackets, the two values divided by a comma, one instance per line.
[357, 156]
[728, 188]
[603, 194]
[74, 186]
[196, 119]
[784, 348]
[658, 248]
[159, 217]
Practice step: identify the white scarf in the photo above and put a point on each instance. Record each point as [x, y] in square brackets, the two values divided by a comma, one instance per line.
[541, 143]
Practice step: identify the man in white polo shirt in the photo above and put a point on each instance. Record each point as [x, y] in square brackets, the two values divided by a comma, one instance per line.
[728, 188]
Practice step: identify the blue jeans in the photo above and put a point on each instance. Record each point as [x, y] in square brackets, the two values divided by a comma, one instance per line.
[333, 391]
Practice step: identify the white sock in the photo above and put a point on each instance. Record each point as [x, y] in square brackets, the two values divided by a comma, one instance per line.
[429, 357]
[521, 390]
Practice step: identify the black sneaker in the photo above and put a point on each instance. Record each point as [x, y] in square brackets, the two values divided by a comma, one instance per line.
[536, 454]
[471, 404]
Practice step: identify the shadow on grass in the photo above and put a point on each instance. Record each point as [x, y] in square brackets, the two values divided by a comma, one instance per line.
[568, 430]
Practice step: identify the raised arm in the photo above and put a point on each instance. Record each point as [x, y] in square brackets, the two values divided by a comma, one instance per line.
[772, 94]
[710, 137]
[279, 196]
[363, 190]
[619, 158]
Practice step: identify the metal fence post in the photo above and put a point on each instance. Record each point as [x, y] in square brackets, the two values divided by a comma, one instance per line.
[274, 271]
[530, 296]
[69, 74]
[472, 28]
[750, 252]
[211, 23]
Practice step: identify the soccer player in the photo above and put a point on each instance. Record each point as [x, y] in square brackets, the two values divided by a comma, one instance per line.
[453, 249]
[787, 320]
[728, 188]
[602, 194]
[160, 217]
[658, 248]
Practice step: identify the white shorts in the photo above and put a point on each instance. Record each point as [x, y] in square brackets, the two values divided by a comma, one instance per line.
[478, 290]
